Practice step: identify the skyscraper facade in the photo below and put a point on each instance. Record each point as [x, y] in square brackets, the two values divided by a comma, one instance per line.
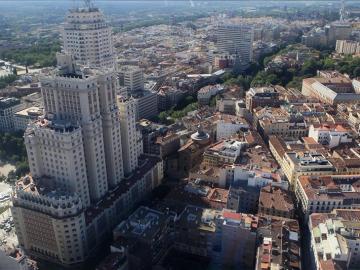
[236, 39]
[132, 146]
[77, 191]
[87, 36]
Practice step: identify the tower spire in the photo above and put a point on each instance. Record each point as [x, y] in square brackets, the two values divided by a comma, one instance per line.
[87, 3]
[342, 11]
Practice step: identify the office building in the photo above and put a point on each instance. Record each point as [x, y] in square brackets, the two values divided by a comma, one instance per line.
[132, 78]
[9, 106]
[132, 146]
[147, 104]
[144, 236]
[236, 39]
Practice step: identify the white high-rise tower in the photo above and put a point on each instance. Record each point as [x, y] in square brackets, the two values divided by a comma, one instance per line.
[88, 38]
[132, 145]
[76, 192]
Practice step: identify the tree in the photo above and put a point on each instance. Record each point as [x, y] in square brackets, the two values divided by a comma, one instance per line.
[329, 63]
[310, 68]
[356, 72]
[22, 169]
[163, 117]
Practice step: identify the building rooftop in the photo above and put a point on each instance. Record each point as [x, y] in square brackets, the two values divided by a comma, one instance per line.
[276, 198]
[32, 112]
[146, 163]
[112, 261]
[198, 218]
[8, 102]
[144, 223]
[280, 245]
[331, 187]
[58, 126]
[198, 195]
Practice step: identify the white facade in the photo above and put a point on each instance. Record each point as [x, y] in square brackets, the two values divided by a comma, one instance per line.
[75, 151]
[133, 78]
[87, 36]
[330, 136]
[226, 129]
[236, 174]
[347, 47]
[236, 39]
[132, 146]
[332, 240]
[55, 219]
[56, 151]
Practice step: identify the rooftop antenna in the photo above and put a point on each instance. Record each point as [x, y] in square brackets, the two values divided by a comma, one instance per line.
[88, 3]
[342, 11]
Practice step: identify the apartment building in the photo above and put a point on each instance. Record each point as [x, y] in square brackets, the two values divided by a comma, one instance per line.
[229, 238]
[223, 152]
[279, 122]
[279, 244]
[299, 159]
[205, 94]
[229, 125]
[322, 194]
[236, 239]
[262, 97]
[15, 259]
[335, 239]
[330, 135]
[275, 201]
